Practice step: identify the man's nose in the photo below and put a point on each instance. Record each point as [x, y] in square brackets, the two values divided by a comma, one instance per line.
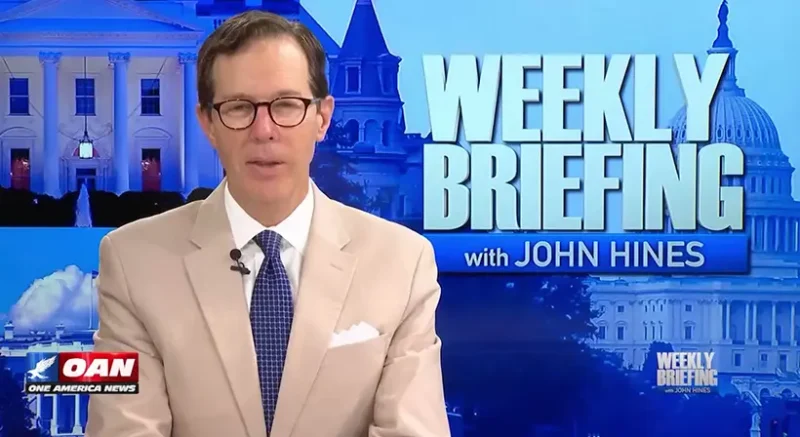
[263, 127]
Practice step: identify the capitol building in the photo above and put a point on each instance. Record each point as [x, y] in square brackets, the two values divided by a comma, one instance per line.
[750, 322]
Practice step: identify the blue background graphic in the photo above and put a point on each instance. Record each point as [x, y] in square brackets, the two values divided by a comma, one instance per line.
[558, 352]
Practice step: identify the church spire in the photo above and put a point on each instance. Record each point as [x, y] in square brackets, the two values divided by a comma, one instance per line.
[723, 44]
[364, 37]
[364, 67]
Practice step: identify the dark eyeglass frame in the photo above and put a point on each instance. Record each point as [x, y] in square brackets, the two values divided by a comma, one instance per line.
[257, 105]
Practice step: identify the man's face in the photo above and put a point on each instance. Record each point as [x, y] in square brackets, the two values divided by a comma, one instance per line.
[265, 162]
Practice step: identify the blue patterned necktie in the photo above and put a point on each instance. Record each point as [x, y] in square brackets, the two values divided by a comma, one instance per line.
[271, 312]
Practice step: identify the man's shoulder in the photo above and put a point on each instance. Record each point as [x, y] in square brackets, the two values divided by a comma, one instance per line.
[166, 227]
[370, 231]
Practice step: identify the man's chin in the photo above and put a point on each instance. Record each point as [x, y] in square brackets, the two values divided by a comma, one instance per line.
[270, 191]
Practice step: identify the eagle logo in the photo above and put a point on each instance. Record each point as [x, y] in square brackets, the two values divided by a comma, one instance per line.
[42, 366]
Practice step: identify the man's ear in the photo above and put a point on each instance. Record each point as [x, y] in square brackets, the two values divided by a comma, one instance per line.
[324, 114]
[204, 117]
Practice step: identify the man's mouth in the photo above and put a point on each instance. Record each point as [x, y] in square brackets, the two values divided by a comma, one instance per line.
[264, 163]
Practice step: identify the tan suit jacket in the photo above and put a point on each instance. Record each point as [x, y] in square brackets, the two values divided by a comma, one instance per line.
[166, 290]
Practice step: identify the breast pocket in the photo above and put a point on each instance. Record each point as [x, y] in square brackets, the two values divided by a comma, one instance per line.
[355, 362]
[372, 349]
[344, 390]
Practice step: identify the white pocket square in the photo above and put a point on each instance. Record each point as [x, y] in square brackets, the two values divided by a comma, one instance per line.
[355, 334]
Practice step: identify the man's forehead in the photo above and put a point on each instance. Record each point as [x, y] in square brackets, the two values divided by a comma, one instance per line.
[275, 52]
[280, 60]
[259, 95]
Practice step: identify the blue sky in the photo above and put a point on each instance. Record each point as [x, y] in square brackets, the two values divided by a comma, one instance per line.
[33, 253]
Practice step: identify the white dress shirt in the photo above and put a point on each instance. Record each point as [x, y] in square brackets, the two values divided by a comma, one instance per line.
[294, 231]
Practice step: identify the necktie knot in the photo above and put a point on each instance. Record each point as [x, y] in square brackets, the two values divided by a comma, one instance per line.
[270, 243]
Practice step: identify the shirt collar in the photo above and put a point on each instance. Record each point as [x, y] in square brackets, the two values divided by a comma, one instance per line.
[294, 229]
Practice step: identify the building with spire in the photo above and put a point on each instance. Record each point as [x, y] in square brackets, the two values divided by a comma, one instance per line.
[750, 322]
[364, 82]
[772, 216]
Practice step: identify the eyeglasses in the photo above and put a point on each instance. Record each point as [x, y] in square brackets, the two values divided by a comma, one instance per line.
[238, 114]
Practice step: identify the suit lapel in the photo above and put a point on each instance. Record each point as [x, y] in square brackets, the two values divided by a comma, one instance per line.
[324, 281]
[219, 292]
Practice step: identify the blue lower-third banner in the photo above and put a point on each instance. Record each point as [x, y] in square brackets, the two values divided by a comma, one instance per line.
[592, 253]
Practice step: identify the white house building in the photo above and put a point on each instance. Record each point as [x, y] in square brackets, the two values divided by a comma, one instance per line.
[121, 71]
[103, 93]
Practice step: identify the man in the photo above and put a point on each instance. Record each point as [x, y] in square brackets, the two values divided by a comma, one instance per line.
[322, 324]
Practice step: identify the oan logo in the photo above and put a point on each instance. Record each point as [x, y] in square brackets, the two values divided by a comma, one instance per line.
[84, 372]
[98, 367]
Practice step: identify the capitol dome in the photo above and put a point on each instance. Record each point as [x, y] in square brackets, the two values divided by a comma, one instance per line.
[736, 119]
[772, 216]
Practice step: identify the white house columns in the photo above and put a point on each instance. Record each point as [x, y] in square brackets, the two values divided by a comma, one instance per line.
[121, 150]
[55, 426]
[51, 155]
[190, 157]
[191, 127]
